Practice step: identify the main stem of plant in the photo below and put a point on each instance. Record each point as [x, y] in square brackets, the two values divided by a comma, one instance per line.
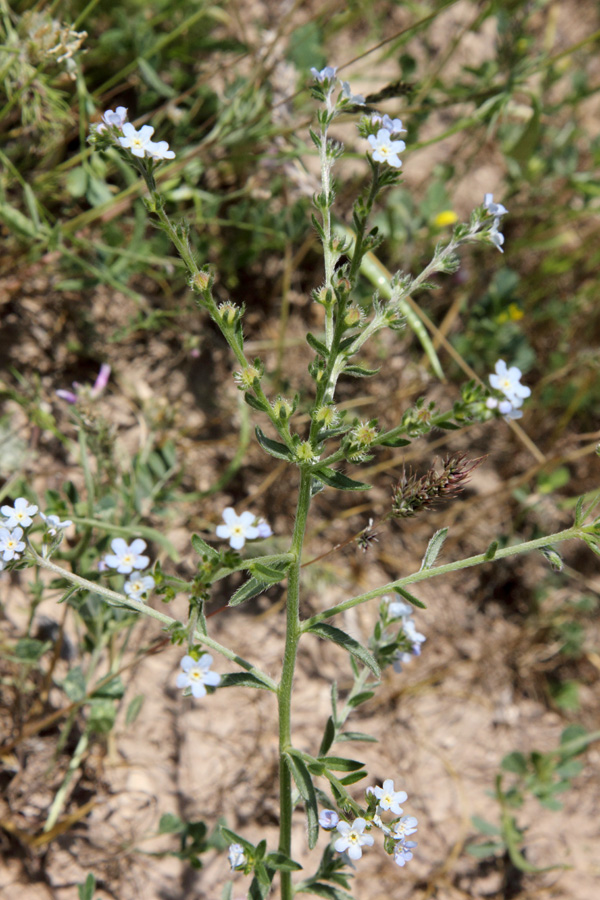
[292, 636]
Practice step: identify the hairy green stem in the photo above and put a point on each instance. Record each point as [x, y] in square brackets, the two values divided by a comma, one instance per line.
[526, 547]
[113, 598]
[292, 636]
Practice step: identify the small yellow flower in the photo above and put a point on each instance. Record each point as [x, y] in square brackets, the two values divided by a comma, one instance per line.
[515, 313]
[446, 217]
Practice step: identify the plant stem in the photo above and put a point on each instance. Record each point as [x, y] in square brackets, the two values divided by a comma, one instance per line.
[293, 633]
[526, 547]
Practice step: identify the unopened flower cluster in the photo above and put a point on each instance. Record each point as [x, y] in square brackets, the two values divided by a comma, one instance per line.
[355, 835]
[139, 143]
[19, 517]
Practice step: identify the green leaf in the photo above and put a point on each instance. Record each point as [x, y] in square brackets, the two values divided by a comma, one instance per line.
[170, 824]
[102, 716]
[410, 597]
[354, 777]
[324, 890]
[278, 860]
[243, 679]
[305, 785]
[339, 481]
[328, 736]
[483, 826]
[202, 548]
[259, 889]
[112, 690]
[317, 346]
[481, 851]
[340, 764]
[394, 442]
[233, 838]
[274, 448]
[254, 402]
[331, 633]
[133, 710]
[491, 550]
[74, 685]
[250, 588]
[356, 736]
[86, 890]
[355, 701]
[433, 549]
[359, 371]
[153, 80]
[515, 762]
[30, 650]
[579, 511]
[270, 574]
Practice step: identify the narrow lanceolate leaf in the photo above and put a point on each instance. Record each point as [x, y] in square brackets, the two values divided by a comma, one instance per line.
[358, 371]
[356, 736]
[433, 549]
[202, 548]
[331, 633]
[254, 402]
[279, 860]
[320, 889]
[243, 679]
[341, 482]
[410, 597]
[317, 345]
[251, 588]
[273, 448]
[340, 764]
[328, 737]
[304, 783]
[394, 442]
[270, 574]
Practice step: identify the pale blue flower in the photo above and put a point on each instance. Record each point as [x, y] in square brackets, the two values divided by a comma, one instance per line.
[394, 126]
[159, 150]
[196, 675]
[496, 237]
[11, 545]
[136, 141]
[385, 149]
[20, 514]
[508, 381]
[388, 798]
[238, 529]
[54, 525]
[494, 209]
[328, 819]
[137, 587]
[125, 558]
[236, 856]
[325, 74]
[358, 99]
[353, 838]
[264, 529]
[404, 828]
[399, 609]
[403, 852]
